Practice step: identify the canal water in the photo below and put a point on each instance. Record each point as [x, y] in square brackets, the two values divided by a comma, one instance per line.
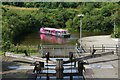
[37, 38]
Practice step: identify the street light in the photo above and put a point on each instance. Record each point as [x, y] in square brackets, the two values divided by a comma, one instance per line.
[81, 16]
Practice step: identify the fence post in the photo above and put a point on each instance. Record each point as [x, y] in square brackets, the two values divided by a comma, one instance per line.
[38, 47]
[90, 49]
[116, 50]
[59, 68]
[17, 49]
[103, 48]
[93, 46]
[28, 49]
[64, 52]
[53, 53]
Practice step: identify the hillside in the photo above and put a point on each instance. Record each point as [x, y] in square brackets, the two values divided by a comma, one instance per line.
[20, 19]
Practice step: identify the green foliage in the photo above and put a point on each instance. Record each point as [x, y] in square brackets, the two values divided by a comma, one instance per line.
[43, 4]
[16, 21]
[1, 53]
[69, 24]
[6, 46]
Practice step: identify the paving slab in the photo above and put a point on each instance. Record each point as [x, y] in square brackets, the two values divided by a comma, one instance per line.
[102, 67]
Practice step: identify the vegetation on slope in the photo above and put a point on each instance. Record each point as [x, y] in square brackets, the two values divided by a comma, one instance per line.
[28, 17]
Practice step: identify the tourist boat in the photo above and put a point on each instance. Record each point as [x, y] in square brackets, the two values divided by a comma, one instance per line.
[55, 32]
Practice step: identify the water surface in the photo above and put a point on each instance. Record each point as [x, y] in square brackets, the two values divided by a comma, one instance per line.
[37, 38]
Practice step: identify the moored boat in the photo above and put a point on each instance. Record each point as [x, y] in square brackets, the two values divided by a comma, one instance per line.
[55, 32]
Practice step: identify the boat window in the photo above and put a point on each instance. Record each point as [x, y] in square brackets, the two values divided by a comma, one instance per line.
[47, 31]
[64, 32]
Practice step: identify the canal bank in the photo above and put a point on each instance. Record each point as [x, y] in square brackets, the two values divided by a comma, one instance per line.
[98, 40]
[102, 68]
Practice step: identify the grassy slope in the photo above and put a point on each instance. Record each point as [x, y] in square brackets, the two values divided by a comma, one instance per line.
[1, 53]
[19, 8]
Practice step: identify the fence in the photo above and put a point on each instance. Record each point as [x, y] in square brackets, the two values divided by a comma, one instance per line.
[21, 49]
[102, 48]
[63, 50]
[57, 50]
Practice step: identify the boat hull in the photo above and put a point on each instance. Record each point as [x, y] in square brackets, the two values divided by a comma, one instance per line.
[55, 32]
[64, 36]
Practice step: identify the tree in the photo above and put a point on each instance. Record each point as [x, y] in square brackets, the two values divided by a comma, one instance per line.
[69, 24]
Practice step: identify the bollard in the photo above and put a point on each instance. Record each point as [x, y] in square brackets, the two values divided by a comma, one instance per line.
[93, 51]
[26, 54]
[71, 77]
[75, 64]
[17, 50]
[59, 64]
[38, 66]
[59, 74]
[70, 55]
[80, 68]
[59, 68]
[90, 49]
[47, 56]
[41, 64]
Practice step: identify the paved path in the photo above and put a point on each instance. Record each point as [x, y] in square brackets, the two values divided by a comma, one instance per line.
[98, 40]
[31, 59]
[100, 43]
[102, 67]
[105, 67]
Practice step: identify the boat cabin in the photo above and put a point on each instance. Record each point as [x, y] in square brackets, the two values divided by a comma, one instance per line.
[55, 32]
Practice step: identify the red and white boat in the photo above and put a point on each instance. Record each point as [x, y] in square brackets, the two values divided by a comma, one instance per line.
[55, 32]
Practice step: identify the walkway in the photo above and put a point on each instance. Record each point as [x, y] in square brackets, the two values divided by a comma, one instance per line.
[102, 67]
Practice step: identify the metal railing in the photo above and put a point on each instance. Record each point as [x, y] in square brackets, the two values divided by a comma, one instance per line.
[102, 48]
[57, 50]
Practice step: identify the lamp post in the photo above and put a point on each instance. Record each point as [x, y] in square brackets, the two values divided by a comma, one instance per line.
[81, 16]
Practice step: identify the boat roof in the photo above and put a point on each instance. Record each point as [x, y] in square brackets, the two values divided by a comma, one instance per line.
[55, 29]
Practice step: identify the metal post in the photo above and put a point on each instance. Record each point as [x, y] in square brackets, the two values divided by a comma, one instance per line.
[38, 66]
[70, 58]
[75, 64]
[47, 56]
[17, 49]
[114, 27]
[93, 46]
[80, 33]
[59, 68]
[71, 77]
[41, 64]
[80, 68]
[59, 64]
[116, 50]
[90, 49]
[102, 47]
[53, 52]
[81, 16]
[64, 51]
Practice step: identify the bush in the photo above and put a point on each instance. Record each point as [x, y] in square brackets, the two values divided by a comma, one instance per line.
[115, 35]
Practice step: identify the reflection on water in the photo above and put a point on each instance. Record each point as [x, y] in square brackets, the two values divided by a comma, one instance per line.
[53, 39]
[37, 38]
